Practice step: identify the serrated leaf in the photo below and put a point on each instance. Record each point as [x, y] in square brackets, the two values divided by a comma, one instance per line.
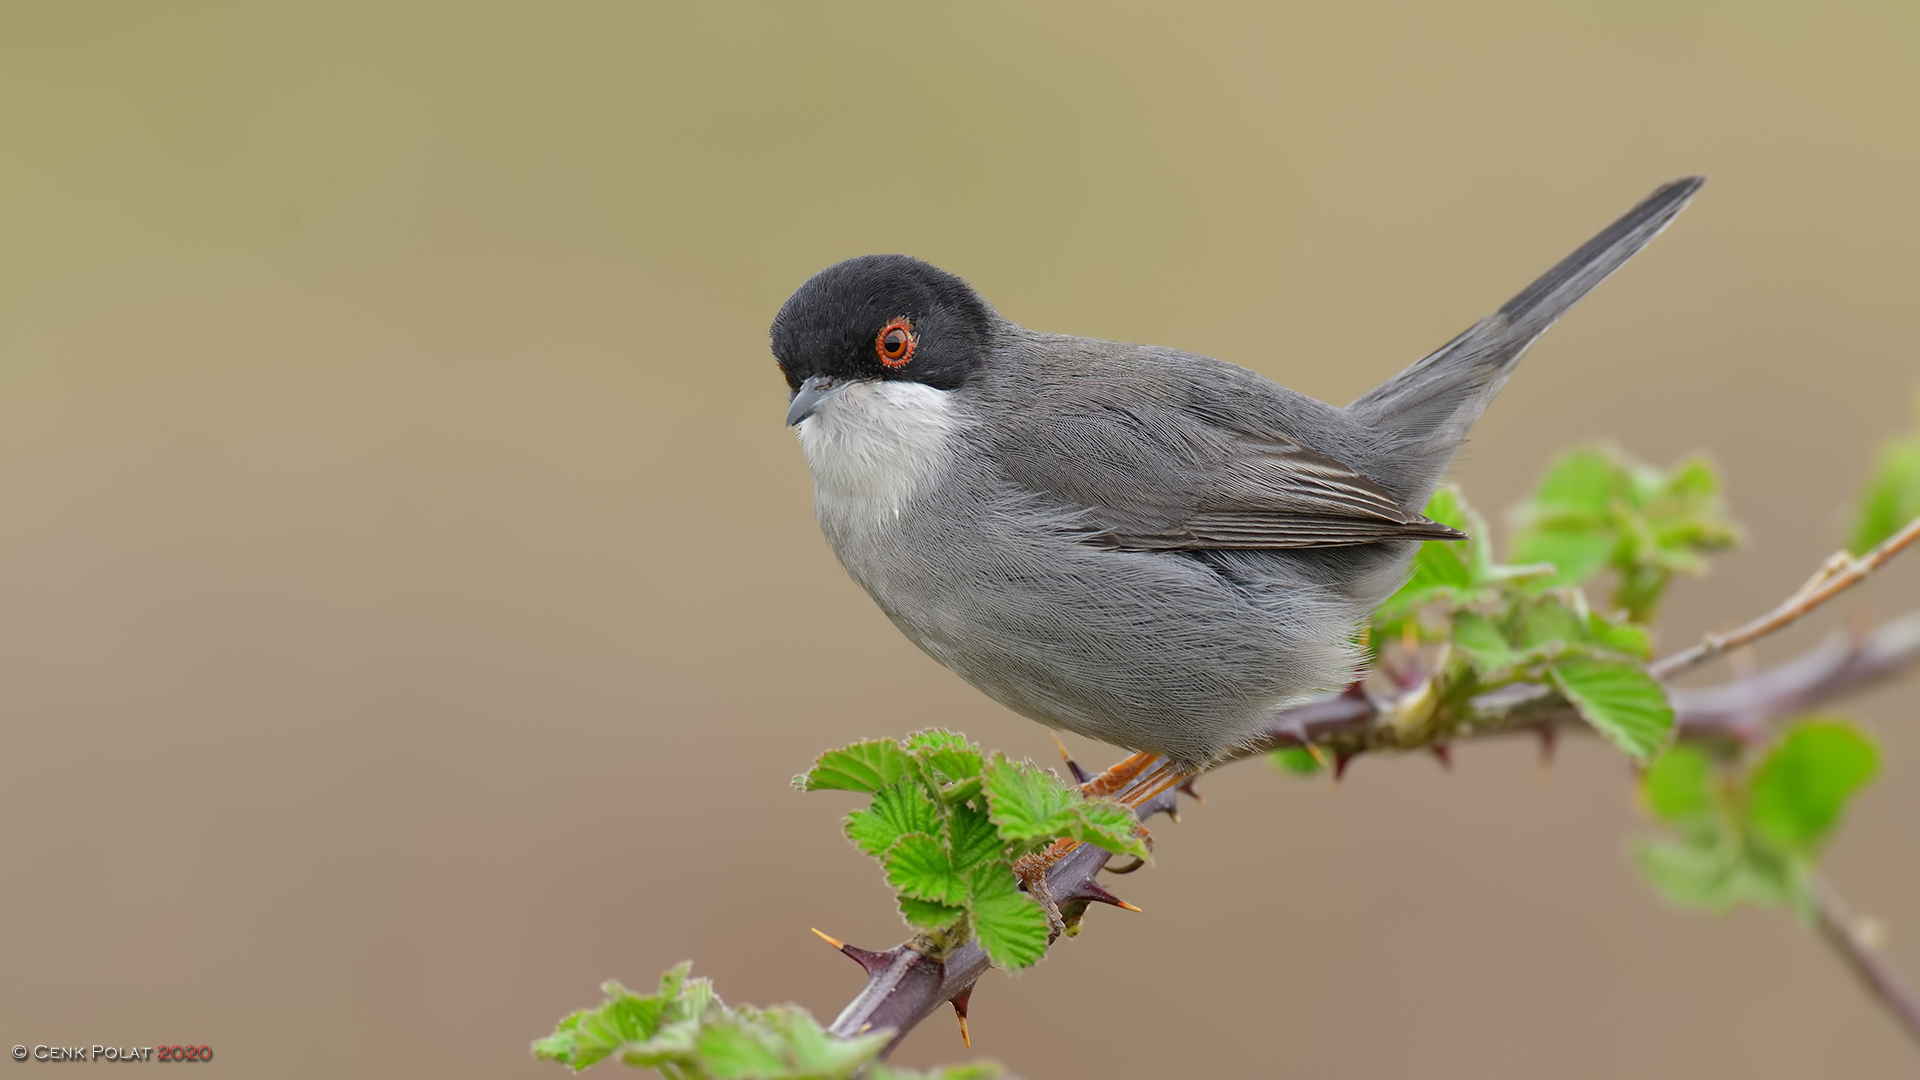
[918, 868]
[900, 808]
[864, 766]
[1027, 802]
[922, 915]
[1110, 825]
[1621, 701]
[950, 754]
[972, 840]
[1801, 788]
[1678, 786]
[688, 1032]
[1010, 924]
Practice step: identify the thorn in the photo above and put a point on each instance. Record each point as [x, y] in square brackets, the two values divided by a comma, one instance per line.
[1444, 752]
[1092, 892]
[868, 960]
[1549, 742]
[959, 1003]
[1340, 763]
[1137, 864]
[1187, 790]
[1080, 775]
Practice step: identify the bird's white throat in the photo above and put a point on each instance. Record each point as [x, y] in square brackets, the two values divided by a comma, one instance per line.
[872, 444]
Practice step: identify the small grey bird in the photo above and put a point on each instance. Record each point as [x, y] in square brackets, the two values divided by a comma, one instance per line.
[1147, 547]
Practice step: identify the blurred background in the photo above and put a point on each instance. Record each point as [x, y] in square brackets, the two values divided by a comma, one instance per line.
[411, 609]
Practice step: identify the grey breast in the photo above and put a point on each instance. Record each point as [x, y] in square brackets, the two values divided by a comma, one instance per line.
[996, 570]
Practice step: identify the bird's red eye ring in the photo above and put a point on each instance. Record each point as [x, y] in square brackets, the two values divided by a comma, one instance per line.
[895, 343]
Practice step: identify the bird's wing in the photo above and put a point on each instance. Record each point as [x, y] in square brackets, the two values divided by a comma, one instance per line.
[1170, 477]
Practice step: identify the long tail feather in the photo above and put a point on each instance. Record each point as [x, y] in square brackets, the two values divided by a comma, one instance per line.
[1425, 411]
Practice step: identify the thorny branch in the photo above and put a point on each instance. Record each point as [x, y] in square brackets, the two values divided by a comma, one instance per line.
[905, 985]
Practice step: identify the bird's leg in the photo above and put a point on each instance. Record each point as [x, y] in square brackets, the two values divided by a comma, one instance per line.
[1118, 777]
[1133, 783]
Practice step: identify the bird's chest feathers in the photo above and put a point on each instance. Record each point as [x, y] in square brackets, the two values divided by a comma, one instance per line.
[872, 448]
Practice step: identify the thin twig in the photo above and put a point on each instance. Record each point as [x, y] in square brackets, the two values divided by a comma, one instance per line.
[1845, 934]
[1838, 574]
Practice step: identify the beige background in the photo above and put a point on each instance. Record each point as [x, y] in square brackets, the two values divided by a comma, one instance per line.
[411, 610]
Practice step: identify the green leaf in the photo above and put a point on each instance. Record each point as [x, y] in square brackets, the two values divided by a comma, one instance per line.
[1010, 924]
[864, 766]
[972, 840]
[1441, 568]
[1030, 804]
[1027, 802]
[590, 1035]
[1710, 872]
[922, 915]
[727, 1051]
[1892, 495]
[1580, 483]
[1551, 624]
[1621, 701]
[1110, 825]
[900, 808]
[951, 755]
[1576, 550]
[686, 1031]
[1678, 785]
[1619, 637]
[918, 868]
[976, 1070]
[1596, 509]
[1801, 788]
[1481, 641]
[1297, 760]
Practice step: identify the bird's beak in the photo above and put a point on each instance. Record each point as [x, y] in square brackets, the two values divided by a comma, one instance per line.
[815, 390]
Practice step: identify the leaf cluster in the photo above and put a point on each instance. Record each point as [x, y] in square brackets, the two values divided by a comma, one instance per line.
[686, 1032]
[1598, 510]
[1502, 624]
[1752, 834]
[947, 823]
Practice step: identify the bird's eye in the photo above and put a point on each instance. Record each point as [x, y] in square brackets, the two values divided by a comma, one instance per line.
[895, 343]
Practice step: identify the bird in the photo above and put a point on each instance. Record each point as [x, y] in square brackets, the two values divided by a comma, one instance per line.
[1147, 547]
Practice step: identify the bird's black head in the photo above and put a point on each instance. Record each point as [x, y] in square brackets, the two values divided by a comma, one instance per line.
[882, 317]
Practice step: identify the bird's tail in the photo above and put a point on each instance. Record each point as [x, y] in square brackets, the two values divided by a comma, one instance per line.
[1424, 412]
